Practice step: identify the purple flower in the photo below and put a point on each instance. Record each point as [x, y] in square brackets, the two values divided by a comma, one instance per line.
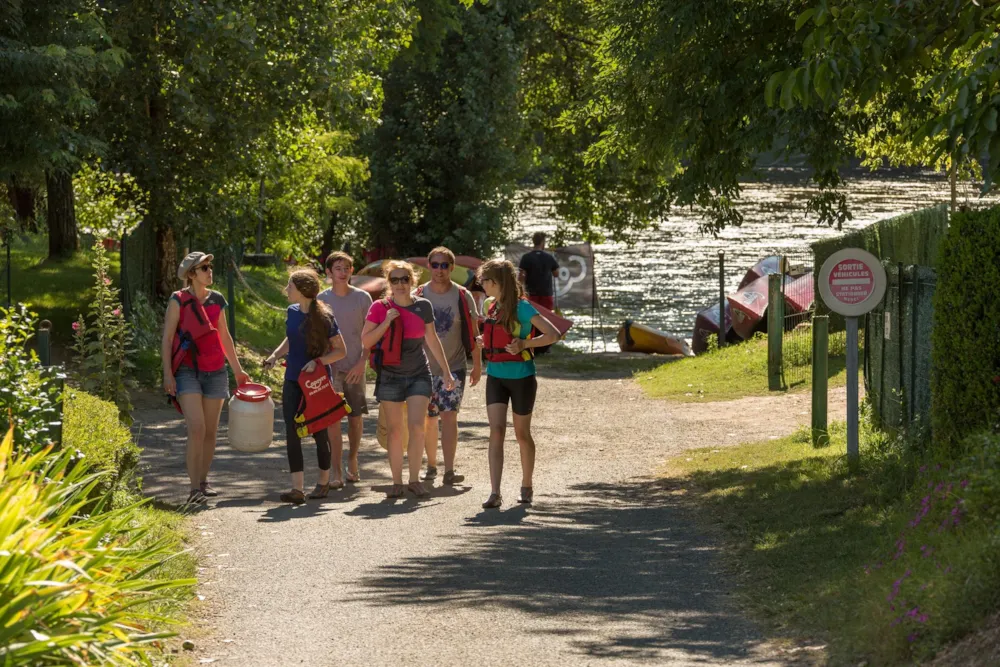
[964, 483]
[913, 637]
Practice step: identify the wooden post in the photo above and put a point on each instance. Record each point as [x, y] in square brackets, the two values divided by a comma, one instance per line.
[775, 329]
[722, 298]
[45, 342]
[820, 368]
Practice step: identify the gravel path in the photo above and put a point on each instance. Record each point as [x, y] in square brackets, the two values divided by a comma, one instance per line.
[606, 566]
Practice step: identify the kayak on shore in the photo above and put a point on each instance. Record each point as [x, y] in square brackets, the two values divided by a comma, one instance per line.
[633, 337]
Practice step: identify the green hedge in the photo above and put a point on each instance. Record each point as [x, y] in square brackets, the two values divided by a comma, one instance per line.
[911, 238]
[966, 338]
[91, 426]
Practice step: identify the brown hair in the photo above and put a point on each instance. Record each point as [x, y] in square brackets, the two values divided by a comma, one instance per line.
[538, 238]
[338, 256]
[441, 250]
[319, 318]
[502, 272]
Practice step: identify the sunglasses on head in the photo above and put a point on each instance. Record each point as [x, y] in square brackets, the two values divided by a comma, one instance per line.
[205, 267]
[440, 265]
[396, 280]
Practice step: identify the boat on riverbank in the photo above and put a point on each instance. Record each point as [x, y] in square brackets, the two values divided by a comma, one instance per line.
[706, 326]
[633, 337]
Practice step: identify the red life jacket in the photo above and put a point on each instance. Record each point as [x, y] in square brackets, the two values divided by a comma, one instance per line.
[321, 404]
[468, 331]
[192, 326]
[389, 350]
[496, 338]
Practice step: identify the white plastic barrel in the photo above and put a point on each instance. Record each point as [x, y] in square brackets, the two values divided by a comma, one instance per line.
[251, 418]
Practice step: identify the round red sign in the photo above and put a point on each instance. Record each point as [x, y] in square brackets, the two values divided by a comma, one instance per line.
[851, 281]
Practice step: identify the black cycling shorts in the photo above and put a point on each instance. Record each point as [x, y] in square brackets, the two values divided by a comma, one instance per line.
[520, 393]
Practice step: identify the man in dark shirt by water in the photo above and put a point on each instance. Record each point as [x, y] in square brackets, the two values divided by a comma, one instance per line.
[537, 269]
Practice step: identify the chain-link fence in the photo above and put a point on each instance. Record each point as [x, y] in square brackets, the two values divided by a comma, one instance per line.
[796, 341]
[897, 353]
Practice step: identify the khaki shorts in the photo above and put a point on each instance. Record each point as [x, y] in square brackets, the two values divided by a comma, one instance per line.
[354, 394]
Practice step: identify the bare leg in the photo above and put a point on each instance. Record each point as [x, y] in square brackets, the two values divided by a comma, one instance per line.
[194, 418]
[522, 431]
[416, 415]
[355, 427]
[497, 414]
[299, 481]
[336, 452]
[431, 441]
[211, 409]
[449, 438]
[394, 416]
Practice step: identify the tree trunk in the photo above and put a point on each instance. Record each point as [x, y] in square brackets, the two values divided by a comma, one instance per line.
[22, 200]
[331, 227]
[166, 258]
[63, 239]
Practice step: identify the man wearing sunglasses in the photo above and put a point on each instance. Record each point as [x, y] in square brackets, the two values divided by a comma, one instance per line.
[457, 325]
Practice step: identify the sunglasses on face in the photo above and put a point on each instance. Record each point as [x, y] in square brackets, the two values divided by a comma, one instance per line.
[440, 265]
[396, 280]
[205, 267]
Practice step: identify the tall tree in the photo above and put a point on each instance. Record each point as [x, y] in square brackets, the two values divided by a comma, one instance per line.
[208, 81]
[51, 54]
[447, 156]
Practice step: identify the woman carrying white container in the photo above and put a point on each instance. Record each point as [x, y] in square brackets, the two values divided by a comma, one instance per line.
[195, 347]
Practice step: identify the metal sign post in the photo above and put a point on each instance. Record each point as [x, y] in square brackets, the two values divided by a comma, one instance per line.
[852, 282]
[722, 298]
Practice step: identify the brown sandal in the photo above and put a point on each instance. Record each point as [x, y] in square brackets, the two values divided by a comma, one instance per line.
[321, 491]
[336, 486]
[418, 489]
[493, 502]
[294, 496]
[397, 491]
[352, 477]
[527, 493]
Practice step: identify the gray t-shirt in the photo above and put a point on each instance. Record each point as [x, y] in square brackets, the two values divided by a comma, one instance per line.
[350, 312]
[448, 324]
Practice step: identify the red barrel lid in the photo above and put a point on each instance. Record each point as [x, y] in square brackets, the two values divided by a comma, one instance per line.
[252, 392]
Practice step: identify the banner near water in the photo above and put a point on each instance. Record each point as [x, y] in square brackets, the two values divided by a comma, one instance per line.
[575, 282]
[852, 282]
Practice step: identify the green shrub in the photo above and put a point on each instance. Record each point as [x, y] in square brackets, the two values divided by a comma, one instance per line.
[91, 426]
[966, 337]
[30, 395]
[73, 585]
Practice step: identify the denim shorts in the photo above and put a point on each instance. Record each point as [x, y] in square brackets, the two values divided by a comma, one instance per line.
[396, 388]
[212, 384]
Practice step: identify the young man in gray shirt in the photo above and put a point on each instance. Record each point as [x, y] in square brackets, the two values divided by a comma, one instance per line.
[457, 324]
[350, 306]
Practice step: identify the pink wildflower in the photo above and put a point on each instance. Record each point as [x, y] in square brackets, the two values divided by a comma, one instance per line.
[116, 312]
[76, 326]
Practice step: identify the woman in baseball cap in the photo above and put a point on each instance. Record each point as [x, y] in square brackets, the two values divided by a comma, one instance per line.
[195, 347]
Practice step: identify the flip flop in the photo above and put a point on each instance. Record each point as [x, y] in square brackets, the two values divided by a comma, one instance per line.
[352, 477]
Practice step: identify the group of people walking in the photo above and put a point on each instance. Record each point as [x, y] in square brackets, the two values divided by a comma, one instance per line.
[427, 343]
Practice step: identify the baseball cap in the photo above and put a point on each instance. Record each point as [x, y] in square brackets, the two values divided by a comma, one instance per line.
[193, 260]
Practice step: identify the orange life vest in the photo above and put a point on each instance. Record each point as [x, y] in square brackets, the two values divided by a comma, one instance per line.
[389, 350]
[496, 338]
[468, 331]
[321, 404]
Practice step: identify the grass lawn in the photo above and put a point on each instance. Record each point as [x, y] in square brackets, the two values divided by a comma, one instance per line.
[823, 555]
[733, 372]
[58, 290]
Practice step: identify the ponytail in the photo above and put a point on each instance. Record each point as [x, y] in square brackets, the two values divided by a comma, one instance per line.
[319, 317]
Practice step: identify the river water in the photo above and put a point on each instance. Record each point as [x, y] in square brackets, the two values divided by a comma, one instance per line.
[671, 272]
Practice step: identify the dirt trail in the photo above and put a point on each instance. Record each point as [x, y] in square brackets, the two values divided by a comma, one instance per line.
[605, 566]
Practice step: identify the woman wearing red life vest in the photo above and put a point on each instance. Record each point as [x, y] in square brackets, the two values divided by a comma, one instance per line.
[397, 327]
[510, 367]
[195, 347]
[311, 336]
